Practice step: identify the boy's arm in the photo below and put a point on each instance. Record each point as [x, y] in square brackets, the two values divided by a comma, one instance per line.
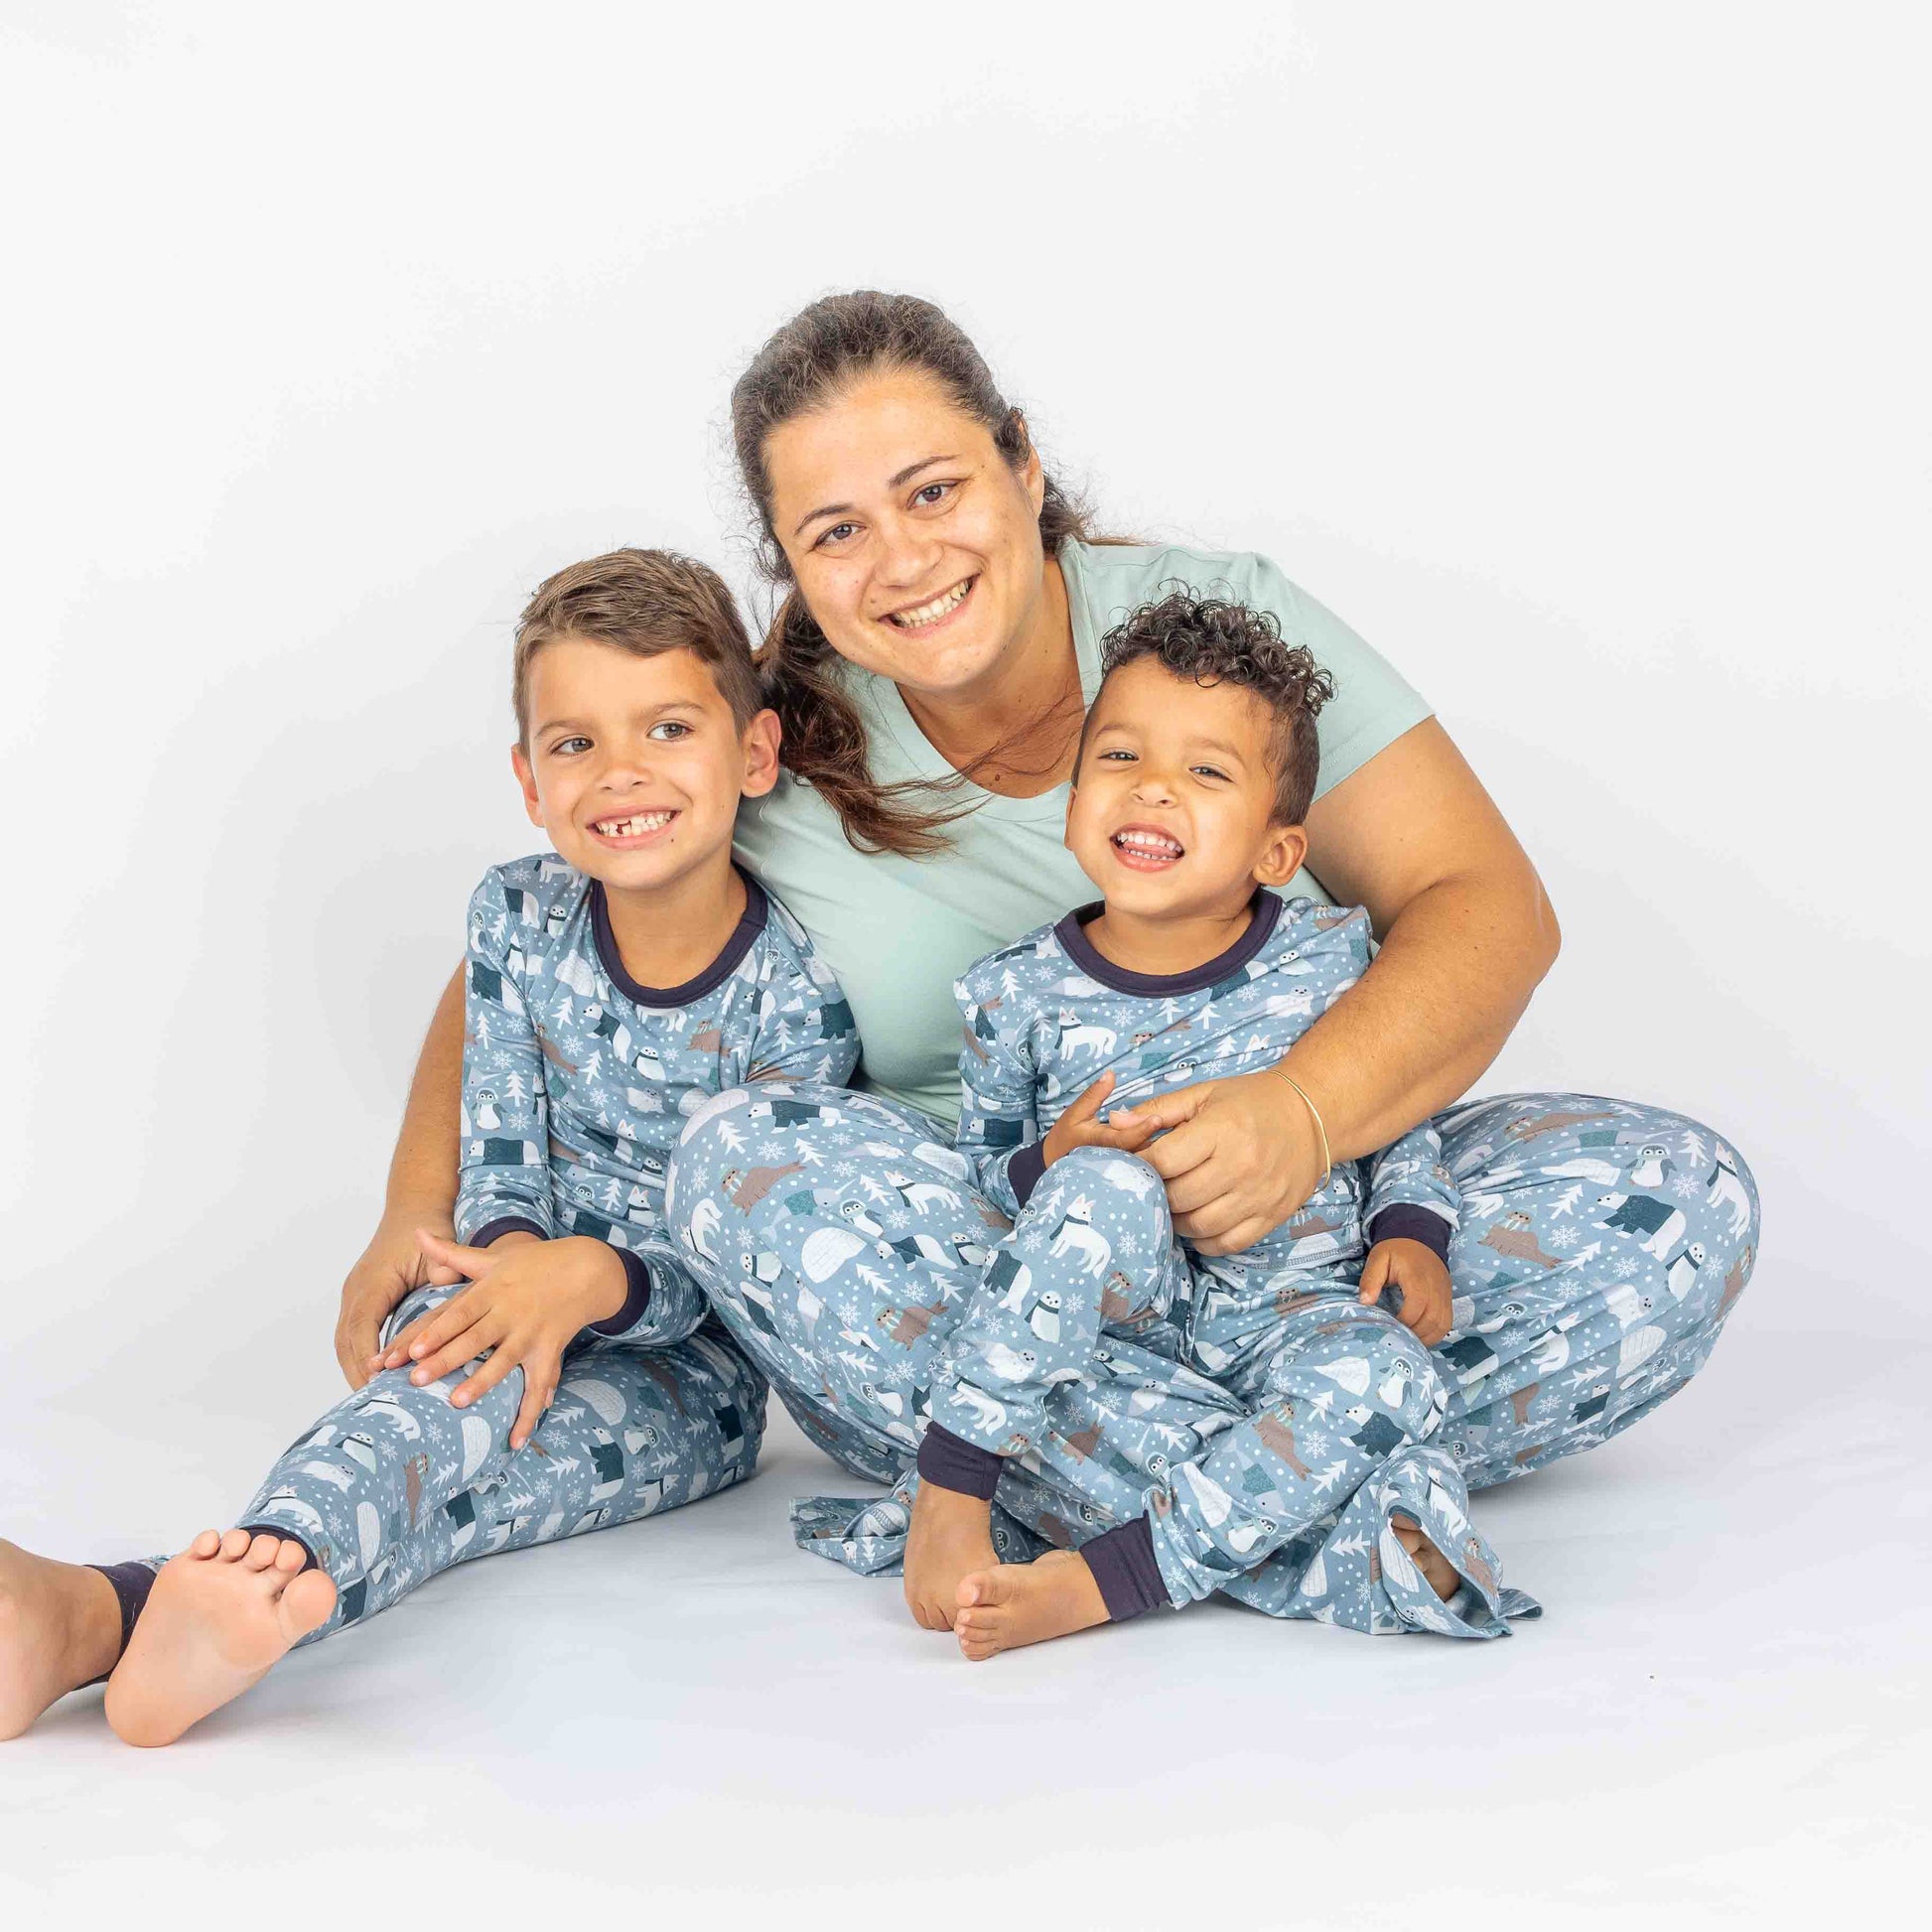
[805, 1028]
[804, 1031]
[999, 1117]
[1410, 1193]
[503, 1164]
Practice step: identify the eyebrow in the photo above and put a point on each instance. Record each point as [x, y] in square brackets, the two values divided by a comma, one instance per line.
[550, 724]
[905, 476]
[1220, 745]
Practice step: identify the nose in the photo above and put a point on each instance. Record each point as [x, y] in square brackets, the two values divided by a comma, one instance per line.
[1151, 785]
[626, 769]
[907, 554]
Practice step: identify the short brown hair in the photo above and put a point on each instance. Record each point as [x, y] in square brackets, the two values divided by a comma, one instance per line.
[1215, 641]
[645, 602]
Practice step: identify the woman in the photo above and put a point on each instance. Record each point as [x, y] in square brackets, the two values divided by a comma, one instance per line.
[941, 609]
[931, 661]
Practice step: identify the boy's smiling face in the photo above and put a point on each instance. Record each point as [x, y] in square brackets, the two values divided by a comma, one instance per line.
[1173, 809]
[634, 766]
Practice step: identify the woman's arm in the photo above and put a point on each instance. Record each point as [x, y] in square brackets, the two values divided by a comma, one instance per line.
[1467, 933]
[421, 1192]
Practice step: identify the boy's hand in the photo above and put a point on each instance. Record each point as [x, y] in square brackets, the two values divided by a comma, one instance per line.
[391, 1265]
[1081, 1126]
[1424, 1279]
[526, 1300]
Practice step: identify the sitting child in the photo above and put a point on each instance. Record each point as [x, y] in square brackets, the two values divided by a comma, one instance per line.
[1195, 770]
[613, 986]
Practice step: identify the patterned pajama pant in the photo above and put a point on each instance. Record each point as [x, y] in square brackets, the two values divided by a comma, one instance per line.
[393, 1485]
[1602, 1246]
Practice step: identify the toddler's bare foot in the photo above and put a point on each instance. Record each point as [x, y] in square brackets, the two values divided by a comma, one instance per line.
[1437, 1569]
[222, 1612]
[59, 1628]
[950, 1536]
[1016, 1603]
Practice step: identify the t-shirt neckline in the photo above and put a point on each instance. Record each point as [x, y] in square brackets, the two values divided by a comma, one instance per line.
[1265, 909]
[751, 923]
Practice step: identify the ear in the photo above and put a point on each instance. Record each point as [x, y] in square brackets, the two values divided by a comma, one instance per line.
[520, 764]
[760, 746]
[1033, 479]
[1281, 858]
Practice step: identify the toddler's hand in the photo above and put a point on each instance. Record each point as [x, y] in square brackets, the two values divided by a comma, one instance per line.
[525, 1302]
[1081, 1126]
[1424, 1279]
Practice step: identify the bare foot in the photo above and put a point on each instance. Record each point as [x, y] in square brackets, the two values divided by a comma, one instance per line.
[1437, 1569]
[950, 1536]
[222, 1612]
[1016, 1603]
[59, 1628]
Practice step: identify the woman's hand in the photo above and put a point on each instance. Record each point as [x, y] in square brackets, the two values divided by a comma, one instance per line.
[1239, 1156]
[526, 1300]
[391, 1265]
[1422, 1276]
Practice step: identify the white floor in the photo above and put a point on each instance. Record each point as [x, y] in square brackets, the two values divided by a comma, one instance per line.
[1723, 1714]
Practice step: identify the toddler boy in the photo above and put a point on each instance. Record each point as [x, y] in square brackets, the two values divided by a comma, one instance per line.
[1195, 770]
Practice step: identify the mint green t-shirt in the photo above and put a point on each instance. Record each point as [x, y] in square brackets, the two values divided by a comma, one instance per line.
[898, 931]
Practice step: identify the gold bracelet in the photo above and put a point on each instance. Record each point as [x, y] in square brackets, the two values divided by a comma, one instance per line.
[1327, 1165]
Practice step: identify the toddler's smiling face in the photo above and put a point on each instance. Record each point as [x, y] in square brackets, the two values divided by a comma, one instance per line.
[1173, 809]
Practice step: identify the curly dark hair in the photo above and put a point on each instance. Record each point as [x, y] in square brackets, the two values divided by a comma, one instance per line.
[1214, 641]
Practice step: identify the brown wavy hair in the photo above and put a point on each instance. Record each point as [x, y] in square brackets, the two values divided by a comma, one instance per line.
[824, 349]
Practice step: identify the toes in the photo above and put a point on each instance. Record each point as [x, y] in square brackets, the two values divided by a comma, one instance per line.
[261, 1553]
[234, 1545]
[987, 1587]
[206, 1545]
[291, 1556]
[304, 1605]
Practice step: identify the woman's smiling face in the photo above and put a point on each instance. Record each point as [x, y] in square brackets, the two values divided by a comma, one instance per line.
[914, 542]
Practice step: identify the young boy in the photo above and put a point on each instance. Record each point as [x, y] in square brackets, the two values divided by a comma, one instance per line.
[613, 986]
[1195, 770]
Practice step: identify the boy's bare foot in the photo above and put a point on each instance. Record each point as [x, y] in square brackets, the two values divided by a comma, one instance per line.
[1016, 1603]
[59, 1628]
[1437, 1569]
[221, 1613]
[951, 1536]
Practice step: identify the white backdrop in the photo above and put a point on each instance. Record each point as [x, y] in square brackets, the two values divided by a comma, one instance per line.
[1576, 356]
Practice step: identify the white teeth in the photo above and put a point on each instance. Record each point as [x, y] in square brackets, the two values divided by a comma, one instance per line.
[933, 612]
[631, 828]
[1148, 842]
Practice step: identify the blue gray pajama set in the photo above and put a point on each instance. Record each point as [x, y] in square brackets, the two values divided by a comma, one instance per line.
[577, 1083]
[1239, 1423]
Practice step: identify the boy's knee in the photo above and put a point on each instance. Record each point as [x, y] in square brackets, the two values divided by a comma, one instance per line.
[1379, 1364]
[1134, 1195]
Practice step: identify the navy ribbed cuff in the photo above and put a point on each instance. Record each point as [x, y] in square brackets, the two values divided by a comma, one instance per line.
[1024, 1169]
[637, 1273]
[1405, 1221]
[949, 1461]
[132, 1581]
[1126, 1568]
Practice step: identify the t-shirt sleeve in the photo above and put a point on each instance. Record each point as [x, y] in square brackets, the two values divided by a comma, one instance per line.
[1373, 703]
